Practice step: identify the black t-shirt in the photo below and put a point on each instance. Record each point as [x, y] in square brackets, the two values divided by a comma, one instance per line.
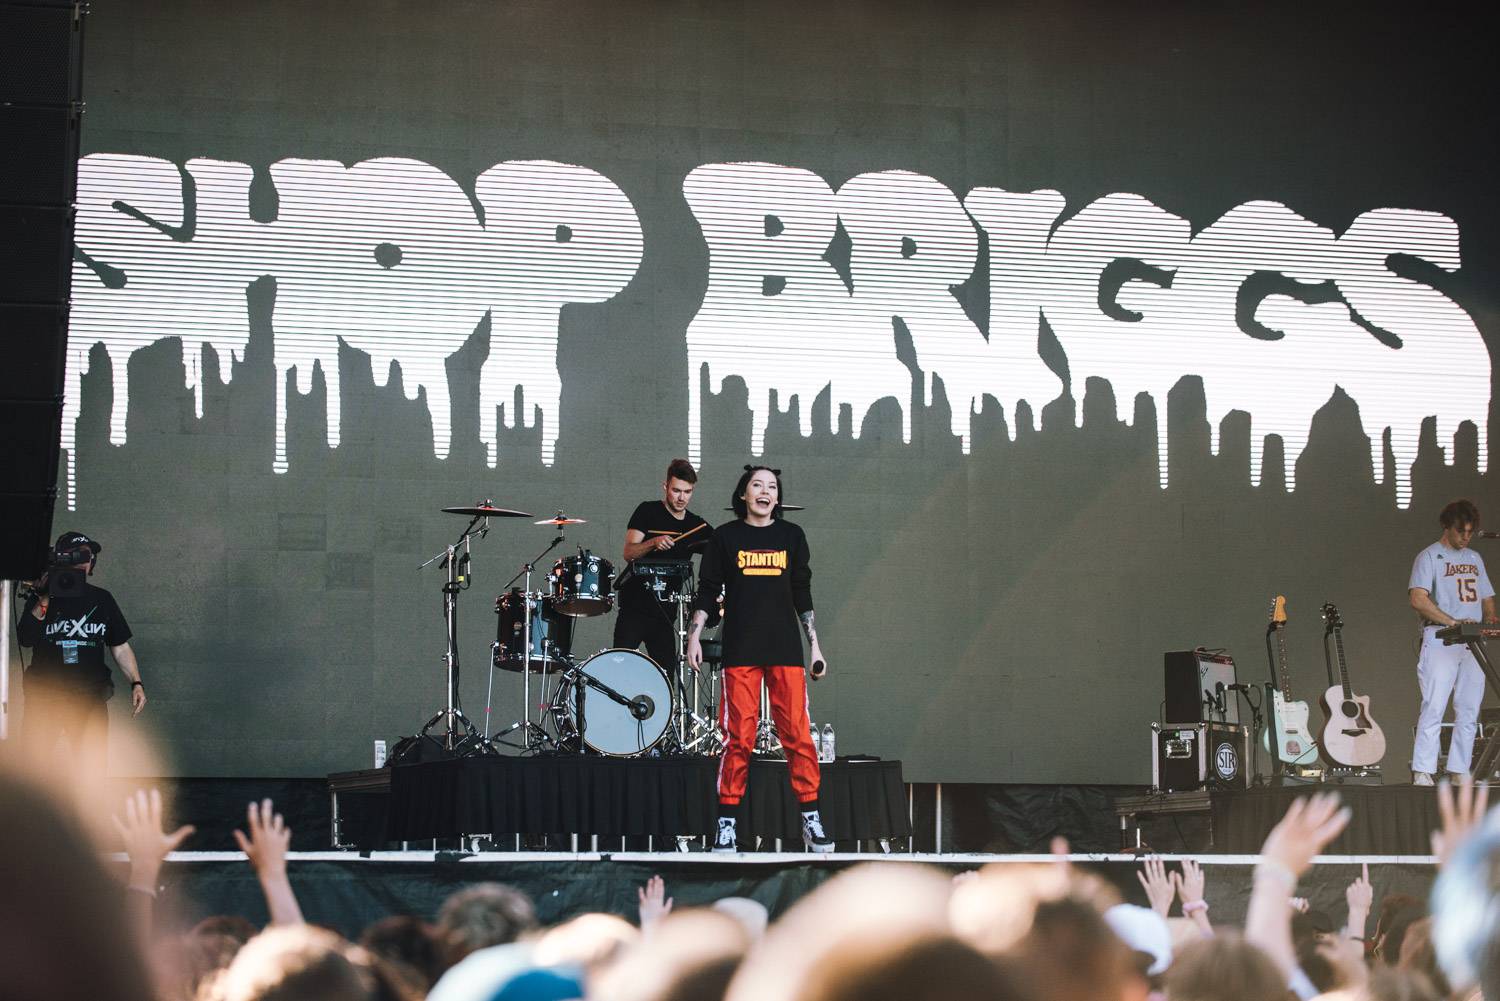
[652, 520]
[767, 580]
[68, 645]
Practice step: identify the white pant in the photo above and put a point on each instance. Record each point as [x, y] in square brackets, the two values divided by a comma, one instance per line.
[1444, 670]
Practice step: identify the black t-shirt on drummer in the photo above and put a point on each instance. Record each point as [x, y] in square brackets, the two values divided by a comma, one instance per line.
[69, 643]
[767, 580]
[653, 520]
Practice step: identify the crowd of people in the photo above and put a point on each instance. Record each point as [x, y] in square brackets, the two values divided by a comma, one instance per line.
[71, 927]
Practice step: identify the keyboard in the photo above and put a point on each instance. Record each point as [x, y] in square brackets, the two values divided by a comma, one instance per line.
[1468, 632]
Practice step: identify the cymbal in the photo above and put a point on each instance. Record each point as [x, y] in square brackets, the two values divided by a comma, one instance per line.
[484, 511]
[561, 520]
[784, 507]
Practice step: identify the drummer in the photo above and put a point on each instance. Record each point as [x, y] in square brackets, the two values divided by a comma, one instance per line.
[653, 534]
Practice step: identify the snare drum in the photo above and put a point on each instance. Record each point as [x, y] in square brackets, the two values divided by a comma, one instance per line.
[551, 632]
[621, 703]
[583, 585]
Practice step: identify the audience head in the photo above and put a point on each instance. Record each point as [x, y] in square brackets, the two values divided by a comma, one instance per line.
[865, 901]
[1419, 954]
[409, 945]
[917, 966]
[751, 914]
[1224, 968]
[232, 925]
[185, 963]
[483, 915]
[59, 906]
[1466, 903]
[1394, 936]
[1049, 919]
[588, 942]
[1147, 935]
[691, 955]
[295, 963]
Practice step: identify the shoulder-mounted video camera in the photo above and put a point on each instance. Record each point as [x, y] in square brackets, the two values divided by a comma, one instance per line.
[67, 575]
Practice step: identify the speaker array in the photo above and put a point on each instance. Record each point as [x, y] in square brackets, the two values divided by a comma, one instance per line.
[40, 113]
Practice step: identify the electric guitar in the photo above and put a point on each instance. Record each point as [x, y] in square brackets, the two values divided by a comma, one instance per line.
[1351, 737]
[1292, 741]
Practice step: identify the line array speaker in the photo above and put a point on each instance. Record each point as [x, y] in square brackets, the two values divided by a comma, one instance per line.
[41, 89]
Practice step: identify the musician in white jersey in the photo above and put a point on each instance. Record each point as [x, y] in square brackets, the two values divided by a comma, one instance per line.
[1449, 585]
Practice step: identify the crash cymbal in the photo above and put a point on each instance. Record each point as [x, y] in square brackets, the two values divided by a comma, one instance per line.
[562, 519]
[784, 507]
[485, 511]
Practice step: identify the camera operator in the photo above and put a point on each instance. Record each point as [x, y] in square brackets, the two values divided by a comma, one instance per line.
[68, 623]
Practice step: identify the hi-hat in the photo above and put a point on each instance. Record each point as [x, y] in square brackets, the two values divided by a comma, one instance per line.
[485, 511]
[561, 519]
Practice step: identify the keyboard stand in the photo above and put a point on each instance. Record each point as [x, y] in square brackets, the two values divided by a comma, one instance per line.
[1485, 766]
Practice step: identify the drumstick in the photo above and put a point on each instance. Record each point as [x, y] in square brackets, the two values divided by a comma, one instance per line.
[684, 535]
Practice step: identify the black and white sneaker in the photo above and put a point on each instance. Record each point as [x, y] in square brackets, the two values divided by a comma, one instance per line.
[813, 838]
[724, 841]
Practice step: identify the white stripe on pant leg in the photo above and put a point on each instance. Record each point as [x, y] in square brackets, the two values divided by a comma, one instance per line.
[723, 725]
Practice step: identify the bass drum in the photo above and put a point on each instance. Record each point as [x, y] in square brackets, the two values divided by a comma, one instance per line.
[621, 705]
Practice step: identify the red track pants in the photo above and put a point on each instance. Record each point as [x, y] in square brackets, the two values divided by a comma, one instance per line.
[739, 712]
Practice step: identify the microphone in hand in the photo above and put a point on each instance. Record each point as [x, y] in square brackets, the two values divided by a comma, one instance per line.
[819, 668]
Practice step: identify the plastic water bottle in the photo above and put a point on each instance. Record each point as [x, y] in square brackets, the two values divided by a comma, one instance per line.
[826, 750]
[380, 754]
[817, 739]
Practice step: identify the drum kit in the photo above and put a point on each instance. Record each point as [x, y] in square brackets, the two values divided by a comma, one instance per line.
[617, 703]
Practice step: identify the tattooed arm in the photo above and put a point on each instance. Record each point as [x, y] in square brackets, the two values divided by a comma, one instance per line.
[818, 664]
[802, 601]
[808, 629]
[695, 640]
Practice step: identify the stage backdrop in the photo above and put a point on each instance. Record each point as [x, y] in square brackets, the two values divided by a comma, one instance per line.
[1081, 330]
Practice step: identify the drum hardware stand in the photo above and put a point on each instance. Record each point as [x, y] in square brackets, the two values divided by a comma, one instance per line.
[767, 744]
[533, 736]
[458, 580]
[692, 728]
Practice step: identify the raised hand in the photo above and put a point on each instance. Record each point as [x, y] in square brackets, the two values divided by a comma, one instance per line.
[1159, 888]
[1310, 825]
[1461, 812]
[1190, 882]
[145, 842]
[654, 902]
[266, 848]
[269, 839]
[1360, 895]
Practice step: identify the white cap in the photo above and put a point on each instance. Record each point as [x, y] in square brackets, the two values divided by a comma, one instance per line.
[1143, 930]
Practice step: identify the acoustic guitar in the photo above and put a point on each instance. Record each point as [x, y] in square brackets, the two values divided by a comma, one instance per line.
[1291, 741]
[1350, 737]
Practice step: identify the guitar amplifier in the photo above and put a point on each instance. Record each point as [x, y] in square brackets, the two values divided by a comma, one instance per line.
[1197, 687]
[1195, 755]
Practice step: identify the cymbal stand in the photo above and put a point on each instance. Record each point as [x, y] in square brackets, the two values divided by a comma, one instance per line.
[767, 743]
[693, 728]
[456, 561]
[533, 736]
